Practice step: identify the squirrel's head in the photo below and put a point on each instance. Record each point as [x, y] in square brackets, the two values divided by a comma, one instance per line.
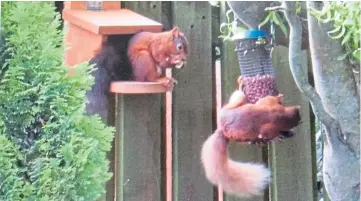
[178, 50]
[293, 113]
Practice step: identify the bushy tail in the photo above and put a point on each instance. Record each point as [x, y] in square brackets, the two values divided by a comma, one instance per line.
[241, 179]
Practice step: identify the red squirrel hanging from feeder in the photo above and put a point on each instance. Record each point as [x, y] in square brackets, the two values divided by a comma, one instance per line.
[245, 122]
[151, 53]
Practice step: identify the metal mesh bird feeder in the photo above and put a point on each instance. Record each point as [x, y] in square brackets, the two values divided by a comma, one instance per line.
[253, 50]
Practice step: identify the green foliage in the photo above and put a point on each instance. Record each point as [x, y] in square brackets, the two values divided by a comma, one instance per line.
[273, 17]
[279, 20]
[230, 28]
[345, 16]
[49, 150]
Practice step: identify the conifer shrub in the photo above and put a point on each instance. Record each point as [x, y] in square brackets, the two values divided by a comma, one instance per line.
[49, 150]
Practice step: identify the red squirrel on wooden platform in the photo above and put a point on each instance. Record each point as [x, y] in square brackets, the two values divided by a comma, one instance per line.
[139, 57]
[150, 53]
[243, 122]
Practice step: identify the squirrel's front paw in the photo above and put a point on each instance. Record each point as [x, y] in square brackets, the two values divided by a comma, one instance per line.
[168, 82]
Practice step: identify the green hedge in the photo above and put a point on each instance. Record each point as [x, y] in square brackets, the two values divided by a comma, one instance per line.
[49, 150]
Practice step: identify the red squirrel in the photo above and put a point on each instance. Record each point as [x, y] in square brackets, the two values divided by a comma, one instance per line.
[150, 53]
[242, 121]
[273, 104]
[265, 119]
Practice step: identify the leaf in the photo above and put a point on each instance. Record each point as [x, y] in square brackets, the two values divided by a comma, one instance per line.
[223, 25]
[282, 25]
[342, 57]
[356, 54]
[356, 41]
[328, 17]
[265, 20]
[298, 7]
[227, 15]
[343, 30]
[317, 13]
[334, 30]
[346, 38]
[275, 18]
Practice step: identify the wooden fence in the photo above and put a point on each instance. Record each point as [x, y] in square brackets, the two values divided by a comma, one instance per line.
[156, 153]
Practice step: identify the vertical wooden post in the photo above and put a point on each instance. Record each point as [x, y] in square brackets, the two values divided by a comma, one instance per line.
[292, 161]
[155, 11]
[138, 147]
[192, 103]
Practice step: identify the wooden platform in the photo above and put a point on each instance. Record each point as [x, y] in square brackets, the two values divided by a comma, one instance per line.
[133, 87]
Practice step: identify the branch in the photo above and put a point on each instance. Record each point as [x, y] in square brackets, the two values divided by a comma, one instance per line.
[275, 8]
[295, 60]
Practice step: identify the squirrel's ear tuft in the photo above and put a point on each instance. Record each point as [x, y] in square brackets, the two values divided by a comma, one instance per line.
[175, 32]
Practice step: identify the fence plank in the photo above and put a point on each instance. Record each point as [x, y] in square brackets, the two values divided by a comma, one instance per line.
[161, 12]
[138, 139]
[192, 103]
[150, 9]
[230, 73]
[292, 161]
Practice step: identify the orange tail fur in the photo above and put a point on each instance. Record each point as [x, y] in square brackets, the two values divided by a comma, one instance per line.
[241, 179]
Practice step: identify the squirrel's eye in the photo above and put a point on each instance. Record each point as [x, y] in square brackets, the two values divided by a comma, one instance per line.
[179, 46]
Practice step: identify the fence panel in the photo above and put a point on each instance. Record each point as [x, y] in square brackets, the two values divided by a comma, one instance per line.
[138, 144]
[192, 102]
[140, 164]
[292, 162]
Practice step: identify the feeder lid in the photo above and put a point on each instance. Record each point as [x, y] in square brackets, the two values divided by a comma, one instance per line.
[252, 33]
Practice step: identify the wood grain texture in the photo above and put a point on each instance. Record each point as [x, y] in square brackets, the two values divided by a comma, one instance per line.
[192, 103]
[75, 39]
[292, 161]
[139, 148]
[111, 5]
[106, 22]
[149, 9]
[133, 87]
[153, 11]
[230, 73]
[75, 5]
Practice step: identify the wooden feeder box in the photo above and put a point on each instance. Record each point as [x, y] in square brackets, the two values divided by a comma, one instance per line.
[87, 29]
[138, 113]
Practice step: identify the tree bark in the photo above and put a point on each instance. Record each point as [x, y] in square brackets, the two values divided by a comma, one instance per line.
[335, 98]
[336, 104]
[334, 79]
[252, 13]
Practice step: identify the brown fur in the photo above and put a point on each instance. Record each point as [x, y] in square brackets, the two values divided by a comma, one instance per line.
[245, 122]
[237, 178]
[150, 52]
[265, 119]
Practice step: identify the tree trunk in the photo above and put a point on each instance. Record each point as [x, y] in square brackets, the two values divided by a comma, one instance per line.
[252, 13]
[335, 83]
[335, 101]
